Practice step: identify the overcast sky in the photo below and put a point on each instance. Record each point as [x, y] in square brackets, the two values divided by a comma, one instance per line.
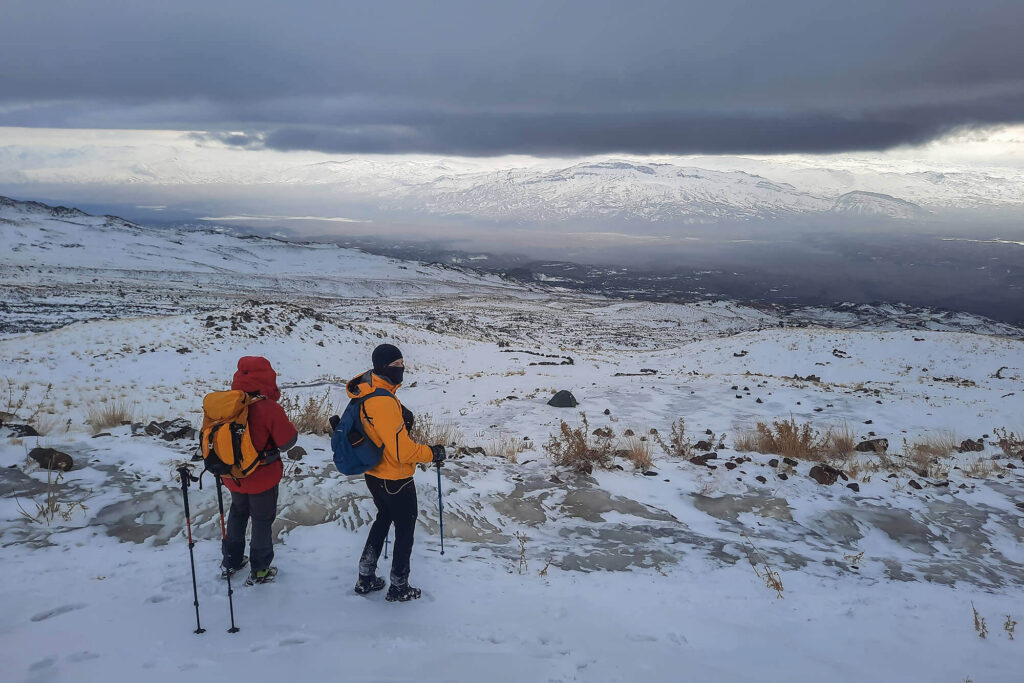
[556, 77]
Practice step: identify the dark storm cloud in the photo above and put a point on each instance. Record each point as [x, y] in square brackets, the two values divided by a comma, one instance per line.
[544, 77]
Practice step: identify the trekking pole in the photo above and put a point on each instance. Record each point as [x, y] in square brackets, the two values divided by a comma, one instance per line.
[386, 541]
[440, 506]
[186, 477]
[224, 536]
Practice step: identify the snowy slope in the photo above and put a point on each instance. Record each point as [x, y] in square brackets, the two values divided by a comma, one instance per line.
[623, 575]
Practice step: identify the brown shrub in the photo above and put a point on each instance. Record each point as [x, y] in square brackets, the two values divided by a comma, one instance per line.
[839, 442]
[1012, 445]
[576, 449]
[787, 438]
[310, 416]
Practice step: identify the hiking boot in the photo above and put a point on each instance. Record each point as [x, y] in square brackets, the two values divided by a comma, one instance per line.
[225, 572]
[369, 584]
[262, 576]
[402, 593]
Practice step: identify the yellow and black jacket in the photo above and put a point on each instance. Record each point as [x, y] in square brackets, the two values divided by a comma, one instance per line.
[382, 420]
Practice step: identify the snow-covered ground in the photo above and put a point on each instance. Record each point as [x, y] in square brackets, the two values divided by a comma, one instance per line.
[615, 575]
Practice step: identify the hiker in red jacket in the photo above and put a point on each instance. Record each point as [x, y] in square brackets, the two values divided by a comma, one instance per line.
[255, 496]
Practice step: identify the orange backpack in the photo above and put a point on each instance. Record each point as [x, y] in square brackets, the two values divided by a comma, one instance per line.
[225, 443]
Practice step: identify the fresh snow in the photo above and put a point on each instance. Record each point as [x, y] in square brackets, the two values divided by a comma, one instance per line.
[624, 576]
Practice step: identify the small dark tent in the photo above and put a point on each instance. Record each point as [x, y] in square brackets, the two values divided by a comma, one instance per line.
[563, 399]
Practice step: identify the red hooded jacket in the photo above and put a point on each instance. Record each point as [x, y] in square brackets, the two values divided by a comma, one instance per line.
[269, 427]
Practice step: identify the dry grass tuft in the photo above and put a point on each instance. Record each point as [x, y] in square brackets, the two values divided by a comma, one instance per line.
[310, 416]
[575, 448]
[929, 457]
[507, 447]
[107, 414]
[432, 431]
[839, 442]
[982, 468]
[639, 453]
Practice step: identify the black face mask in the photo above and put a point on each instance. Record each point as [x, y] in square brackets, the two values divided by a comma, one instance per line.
[392, 374]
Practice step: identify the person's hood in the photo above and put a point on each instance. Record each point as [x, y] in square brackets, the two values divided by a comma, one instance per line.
[255, 374]
[364, 384]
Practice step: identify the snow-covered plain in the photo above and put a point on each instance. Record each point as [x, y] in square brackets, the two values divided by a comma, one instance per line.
[620, 576]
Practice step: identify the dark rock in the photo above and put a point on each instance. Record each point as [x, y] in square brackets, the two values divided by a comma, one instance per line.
[628, 432]
[607, 411]
[873, 446]
[554, 479]
[734, 387]
[296, 453]
[825, 475]
[653, 430]
[1010, 466]
[184, 349]
[758, 401]
[774, 462]
[563, 399]
[21, 431]
[971, 446]
[855, 487]
[703, 459]
[604, 432]
[51, 459]
[783, 476]
[914, 485]
[867, 422]
[730, 465]
[96, 436]
[941, 484]
[761, 479]
[650, 473]
[703, 446]
[818, 410]
[790, 461]
[172, 430]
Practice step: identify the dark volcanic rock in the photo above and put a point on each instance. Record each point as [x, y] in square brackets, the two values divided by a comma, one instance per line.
[824, 474]
[761, 479]
[172, 430]
[972, 446]
[790, 461]
[703, 459]
[774, 462]
[296, 453]
[22, 431]
[914, 485]
[51, 459]
[855, 487]
[873, 446]
[703, 446]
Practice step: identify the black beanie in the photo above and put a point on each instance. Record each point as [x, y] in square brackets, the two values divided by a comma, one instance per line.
[384, 355]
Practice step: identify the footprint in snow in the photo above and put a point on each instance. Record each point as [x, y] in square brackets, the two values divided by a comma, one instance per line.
[292, 641]
[56, 612]
[43, 664]
[156, 599]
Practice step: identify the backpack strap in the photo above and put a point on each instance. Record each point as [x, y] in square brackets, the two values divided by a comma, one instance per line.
[361, 402]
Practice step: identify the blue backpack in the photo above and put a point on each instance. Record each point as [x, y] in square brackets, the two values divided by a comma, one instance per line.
[354, 451]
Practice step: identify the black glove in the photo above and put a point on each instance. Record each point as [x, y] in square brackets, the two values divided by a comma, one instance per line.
[334, 420]
[408, 418]
[439, 455]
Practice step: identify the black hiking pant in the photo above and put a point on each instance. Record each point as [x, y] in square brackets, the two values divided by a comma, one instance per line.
[396, 504]
[261, 508]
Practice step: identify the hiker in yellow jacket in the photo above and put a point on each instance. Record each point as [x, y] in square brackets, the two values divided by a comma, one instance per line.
[387, 423]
